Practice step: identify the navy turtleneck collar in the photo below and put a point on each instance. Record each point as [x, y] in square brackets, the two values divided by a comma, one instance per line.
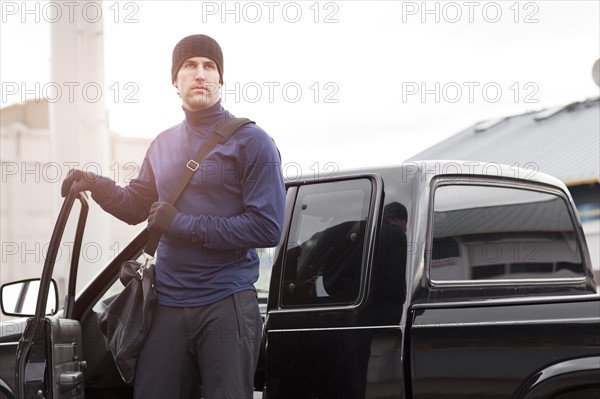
[204, 117]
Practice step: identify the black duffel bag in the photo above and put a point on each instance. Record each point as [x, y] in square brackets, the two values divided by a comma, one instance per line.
[126, 320]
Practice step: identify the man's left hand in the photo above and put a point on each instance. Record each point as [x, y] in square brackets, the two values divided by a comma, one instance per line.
[161, 216]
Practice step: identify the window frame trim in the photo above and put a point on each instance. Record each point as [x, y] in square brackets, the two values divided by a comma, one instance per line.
[368, 252]
[462, 180]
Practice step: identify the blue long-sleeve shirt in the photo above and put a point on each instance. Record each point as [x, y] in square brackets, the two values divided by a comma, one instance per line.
[234, 203]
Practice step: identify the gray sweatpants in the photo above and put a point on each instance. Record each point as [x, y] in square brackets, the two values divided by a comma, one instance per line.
[217, 344]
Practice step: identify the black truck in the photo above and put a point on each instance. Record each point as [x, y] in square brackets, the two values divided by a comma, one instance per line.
[437, 279]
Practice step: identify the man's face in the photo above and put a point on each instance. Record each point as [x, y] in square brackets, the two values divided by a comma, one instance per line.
[198, 83]
[401, 223]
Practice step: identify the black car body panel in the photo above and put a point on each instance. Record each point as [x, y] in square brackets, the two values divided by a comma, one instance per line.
[419, 335]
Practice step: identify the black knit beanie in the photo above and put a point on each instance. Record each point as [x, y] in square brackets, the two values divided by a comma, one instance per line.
[395, 210]
[197, 46]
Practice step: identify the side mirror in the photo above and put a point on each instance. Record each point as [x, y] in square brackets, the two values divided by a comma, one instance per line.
[20, 298]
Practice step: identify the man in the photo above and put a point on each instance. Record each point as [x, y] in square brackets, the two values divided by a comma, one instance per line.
[206, 324]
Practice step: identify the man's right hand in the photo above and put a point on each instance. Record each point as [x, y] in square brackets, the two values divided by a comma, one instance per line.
[77, 181]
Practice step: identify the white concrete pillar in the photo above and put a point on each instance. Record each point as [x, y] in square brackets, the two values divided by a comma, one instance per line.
[78, 122]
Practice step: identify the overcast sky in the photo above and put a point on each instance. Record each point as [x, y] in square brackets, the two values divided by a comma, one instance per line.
[350, 83]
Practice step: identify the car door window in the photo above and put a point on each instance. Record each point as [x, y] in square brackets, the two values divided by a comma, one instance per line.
[501, 233]
[324, 256]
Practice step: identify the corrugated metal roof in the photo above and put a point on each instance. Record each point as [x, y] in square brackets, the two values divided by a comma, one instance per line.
[563, 142]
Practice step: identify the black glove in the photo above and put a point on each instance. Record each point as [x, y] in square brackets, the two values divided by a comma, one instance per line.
[77, 181]
[161, 216]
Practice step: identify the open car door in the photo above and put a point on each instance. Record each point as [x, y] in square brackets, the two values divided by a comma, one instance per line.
[49, 362]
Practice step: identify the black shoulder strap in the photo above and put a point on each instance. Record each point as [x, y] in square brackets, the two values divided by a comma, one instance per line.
[227, 128]
[222, 133]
